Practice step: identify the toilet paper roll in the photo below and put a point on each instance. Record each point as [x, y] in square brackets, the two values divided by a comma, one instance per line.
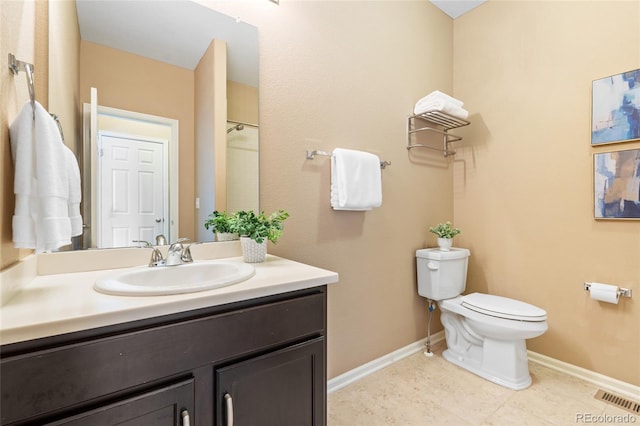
[604, 293]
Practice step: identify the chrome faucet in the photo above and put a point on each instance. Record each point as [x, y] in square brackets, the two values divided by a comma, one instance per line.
[178, 253]
[156, 255]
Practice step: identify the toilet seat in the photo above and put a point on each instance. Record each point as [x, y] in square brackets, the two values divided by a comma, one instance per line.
[503, 307]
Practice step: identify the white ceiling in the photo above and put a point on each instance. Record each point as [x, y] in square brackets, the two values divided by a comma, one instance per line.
[176, 32]
[455, 8]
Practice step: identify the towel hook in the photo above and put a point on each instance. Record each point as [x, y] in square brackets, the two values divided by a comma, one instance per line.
[16, 66]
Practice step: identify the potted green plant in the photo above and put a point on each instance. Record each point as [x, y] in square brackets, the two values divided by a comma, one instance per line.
[445, 232]
[223, 225]
[255, 229]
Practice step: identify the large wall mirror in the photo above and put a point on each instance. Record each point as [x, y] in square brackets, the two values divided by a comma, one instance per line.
[175, 120]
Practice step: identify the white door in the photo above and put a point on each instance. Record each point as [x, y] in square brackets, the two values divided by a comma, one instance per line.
[133, 178]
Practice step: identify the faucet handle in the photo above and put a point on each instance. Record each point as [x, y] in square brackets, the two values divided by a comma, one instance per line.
[147, 244]
[156, 258]
[186, 255]
[156, 255]
[177, 244]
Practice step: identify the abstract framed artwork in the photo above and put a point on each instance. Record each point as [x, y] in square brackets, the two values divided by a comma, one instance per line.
[615, 108]
[617, 184]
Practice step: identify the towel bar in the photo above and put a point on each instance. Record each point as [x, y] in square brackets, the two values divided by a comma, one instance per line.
[312, 153]
[16, 66]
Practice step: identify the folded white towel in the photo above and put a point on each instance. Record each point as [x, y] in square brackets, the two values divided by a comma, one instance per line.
[437, 95]
[438, 101]
[356, 180]
[450, 109]
[41, 220]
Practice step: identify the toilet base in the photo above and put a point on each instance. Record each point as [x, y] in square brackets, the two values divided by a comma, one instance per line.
[511, 371]
[494, 349]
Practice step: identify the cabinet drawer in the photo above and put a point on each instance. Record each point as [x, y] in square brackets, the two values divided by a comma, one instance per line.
[167, 406]
[54, 379]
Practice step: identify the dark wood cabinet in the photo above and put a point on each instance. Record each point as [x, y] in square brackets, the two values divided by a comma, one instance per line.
[279, 388]
[268, 354]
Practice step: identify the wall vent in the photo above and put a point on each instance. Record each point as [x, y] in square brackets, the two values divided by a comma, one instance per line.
[618, 401]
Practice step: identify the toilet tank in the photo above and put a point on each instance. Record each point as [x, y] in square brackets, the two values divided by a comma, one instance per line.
[442, 274]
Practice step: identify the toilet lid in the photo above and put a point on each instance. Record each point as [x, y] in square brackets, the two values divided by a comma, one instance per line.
[503, 307]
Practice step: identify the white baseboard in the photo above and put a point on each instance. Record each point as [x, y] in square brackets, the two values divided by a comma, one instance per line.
[613, 385]
[364, 370]
[609, 383]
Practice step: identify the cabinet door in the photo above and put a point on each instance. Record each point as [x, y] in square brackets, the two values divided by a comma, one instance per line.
[282, 388]
[167, 406]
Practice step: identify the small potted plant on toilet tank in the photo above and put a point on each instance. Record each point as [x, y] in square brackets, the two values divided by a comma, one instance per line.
[445, 232]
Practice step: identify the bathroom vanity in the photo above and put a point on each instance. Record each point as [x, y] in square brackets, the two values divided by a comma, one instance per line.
[207, 360]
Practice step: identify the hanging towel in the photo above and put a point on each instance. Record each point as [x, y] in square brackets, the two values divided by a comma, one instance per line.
[42, 181]
[75, 193]
[356, 180]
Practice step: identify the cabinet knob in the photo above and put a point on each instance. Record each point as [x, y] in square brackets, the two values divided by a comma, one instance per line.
[229, 401]
[185, 418]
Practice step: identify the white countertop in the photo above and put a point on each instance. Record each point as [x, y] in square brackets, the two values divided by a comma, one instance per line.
[55, 304]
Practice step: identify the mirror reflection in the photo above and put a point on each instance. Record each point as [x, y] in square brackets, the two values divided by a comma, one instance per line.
[175, 132]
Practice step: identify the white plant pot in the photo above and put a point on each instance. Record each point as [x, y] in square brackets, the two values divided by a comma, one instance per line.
[445, 243]
[226, 236]
[252, 251]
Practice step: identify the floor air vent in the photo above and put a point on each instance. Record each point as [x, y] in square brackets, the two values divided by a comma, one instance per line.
[618, 401]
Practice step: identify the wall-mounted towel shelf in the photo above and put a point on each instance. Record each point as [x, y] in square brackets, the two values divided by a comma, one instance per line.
[445, 122]
[312, 153]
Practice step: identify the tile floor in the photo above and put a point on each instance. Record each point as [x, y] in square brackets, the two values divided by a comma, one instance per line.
[418, 391]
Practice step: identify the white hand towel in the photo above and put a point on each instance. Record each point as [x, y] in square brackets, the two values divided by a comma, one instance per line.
[41, 184]
[24, 182]
[356, 180]
[75, 193]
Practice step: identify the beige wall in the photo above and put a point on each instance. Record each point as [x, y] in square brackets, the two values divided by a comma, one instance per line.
[242, 103]
[523, 184]
[64, 71]
[134, 83]
[211, 114]
[23, 32]
[347, 74]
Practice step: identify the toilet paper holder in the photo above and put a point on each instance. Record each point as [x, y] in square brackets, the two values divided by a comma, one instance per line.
[624, 292]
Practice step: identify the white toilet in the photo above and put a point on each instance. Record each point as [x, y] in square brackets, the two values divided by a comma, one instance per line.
[485, 333]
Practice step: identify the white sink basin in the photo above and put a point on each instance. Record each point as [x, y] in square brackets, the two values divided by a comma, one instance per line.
[187, 278]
